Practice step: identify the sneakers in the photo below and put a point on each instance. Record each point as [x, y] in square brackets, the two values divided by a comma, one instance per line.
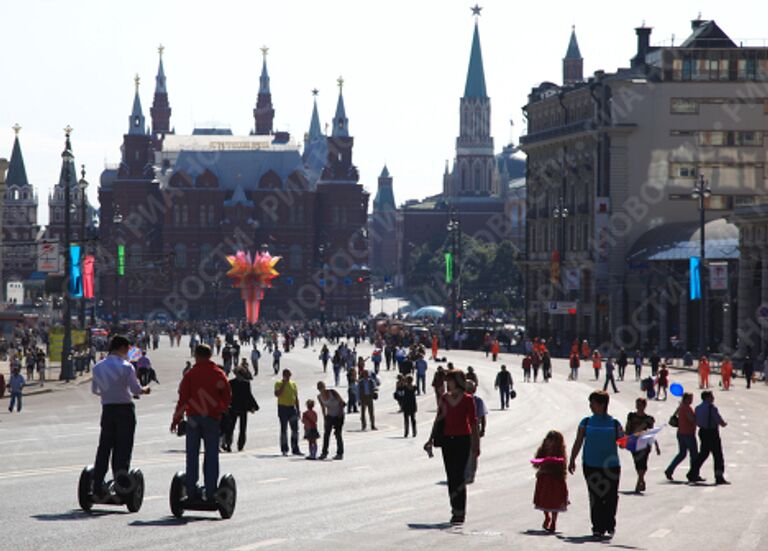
[338, 457]
[668, 475]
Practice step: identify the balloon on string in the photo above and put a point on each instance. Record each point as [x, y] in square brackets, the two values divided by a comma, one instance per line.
[676, 389]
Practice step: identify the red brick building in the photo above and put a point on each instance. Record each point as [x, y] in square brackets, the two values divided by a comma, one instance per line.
[179, 204]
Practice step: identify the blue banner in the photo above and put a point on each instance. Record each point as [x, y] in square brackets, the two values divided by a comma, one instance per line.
[695, 271]
[76, 275]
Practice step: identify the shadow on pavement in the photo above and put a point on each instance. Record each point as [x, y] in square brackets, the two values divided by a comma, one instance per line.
[592, 539]
[429, 526]
[531, 532]
[77, 514]
[170, 521]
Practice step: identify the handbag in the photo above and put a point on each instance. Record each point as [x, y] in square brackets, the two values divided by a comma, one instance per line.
[512, 394]
[674, 421]
[438, 433]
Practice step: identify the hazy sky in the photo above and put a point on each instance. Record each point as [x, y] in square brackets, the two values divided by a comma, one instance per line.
[404, 65]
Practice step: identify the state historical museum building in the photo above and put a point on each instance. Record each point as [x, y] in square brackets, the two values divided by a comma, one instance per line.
[179, 205]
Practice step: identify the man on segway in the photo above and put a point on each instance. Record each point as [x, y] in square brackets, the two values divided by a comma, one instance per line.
[204, 395]
[114, 380]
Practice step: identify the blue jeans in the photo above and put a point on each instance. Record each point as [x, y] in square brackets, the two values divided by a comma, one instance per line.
[686, 443]
[15, 400]
[207, 429]
[504, 396]
[288, 415]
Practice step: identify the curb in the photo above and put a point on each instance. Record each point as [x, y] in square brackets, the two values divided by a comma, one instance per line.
[48, 390]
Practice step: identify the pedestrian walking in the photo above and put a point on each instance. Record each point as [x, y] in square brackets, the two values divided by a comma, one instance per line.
[546, 365]
[421, 374]
[352, 390]
[748, 369]
[455, 431]
[40, 364]
[609, 379]
[602, 471]
[242, 404]
[495, 349]
[551, 493]
[639, 421]
[574, 363]
[703, 371]
[16, 384]
[276, 354]
[438, 382]
[255, 357]
[535, 365]
[406, 397]
[638, 360]
[726, 372]
[503, 384]
[621, 363]
[367, 392]
[482, 417]
[596, 364]
[287, 394]
[662, 381]
[311, 434]
[685, 421]
[332, 406]
[709, 421]
[655, 361]
[527, 363]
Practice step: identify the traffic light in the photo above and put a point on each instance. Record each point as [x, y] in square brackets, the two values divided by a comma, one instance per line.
[121, 260]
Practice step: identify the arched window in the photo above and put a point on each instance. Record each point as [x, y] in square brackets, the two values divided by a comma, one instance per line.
[184, 215]
[203, 218]
[211, 215]
[295, 257]
[181, 255]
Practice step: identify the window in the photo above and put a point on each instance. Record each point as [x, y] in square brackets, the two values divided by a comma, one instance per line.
[184, 215]
[687, 69]
[134, 258]
[711, 138]
[206, 252]
[211, 215]
[684, 106]
[181, 256]
[203, 218]
[295, 257]
[683, 170]
[749, 138]
[176, 215]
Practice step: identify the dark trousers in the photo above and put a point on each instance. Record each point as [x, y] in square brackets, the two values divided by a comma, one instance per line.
[455, 458]
[710, 443]
[333, 424]
[366, 403]
[203, 428]
[603, 488]
[504, 396]
[288, 415]
[686, 444]
[118, 425]
[242, 418]
[611, 380]
[409, 417]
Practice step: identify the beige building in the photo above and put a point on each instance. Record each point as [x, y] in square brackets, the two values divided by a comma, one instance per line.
[612, 163]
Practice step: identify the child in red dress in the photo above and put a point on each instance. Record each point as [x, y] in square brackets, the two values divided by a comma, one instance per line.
[551, 495]
[311, 434]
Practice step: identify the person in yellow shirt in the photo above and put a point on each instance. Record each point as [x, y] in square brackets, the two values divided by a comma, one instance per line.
[287, 394]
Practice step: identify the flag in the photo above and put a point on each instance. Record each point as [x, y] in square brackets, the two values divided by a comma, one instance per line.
[88, 276]
[639, 441]
[75, 273]
[695, 277]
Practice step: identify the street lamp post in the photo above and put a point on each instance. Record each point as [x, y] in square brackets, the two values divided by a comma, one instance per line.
[560, 213]
[454, 230]
[117, 219]
[321, 250]
[82, 186]
[701, 192]
[66, 352]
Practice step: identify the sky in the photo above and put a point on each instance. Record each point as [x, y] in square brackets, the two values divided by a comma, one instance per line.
[404, 65]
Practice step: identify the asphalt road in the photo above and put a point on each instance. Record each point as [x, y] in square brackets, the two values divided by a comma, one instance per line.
[386, 493]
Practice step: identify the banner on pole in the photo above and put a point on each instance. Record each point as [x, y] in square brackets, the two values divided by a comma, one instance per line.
[695, 277]
[718, 276]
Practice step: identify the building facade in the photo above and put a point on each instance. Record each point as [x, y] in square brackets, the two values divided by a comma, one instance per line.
[179, 204]
[615, 157]
[476, 187]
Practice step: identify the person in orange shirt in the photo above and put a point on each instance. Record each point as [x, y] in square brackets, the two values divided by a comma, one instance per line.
[575, 347]
[434, 347]
[585, 349]
[703, 372]
[596, 362]
[726, 370]
[495, 349]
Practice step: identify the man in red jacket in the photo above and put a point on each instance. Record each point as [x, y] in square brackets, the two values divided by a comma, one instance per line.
[204, 395]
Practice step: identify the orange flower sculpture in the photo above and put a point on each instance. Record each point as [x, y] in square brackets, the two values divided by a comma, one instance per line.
[252, 275]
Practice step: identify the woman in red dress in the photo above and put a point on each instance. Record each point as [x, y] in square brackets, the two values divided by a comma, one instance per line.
[551, 495]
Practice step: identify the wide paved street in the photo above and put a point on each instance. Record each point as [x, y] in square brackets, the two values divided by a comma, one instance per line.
[386, 493]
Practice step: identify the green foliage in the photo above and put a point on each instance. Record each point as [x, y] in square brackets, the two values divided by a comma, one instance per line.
[489, 273]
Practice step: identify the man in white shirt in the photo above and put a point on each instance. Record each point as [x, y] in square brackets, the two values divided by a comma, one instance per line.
[114, 380]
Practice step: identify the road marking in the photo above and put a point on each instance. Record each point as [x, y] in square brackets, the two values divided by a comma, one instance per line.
[399, 510]
[152, 498]
[271, 480]
[660, 533]
[259, 544]
[687, 509]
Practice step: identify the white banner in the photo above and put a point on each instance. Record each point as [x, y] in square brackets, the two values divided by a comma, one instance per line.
[572, 279]
[48, 257]
[561, 307]
[718, 276]
[14, 292]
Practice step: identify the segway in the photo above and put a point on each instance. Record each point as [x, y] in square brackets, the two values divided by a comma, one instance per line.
[223, 502]
[127, 490]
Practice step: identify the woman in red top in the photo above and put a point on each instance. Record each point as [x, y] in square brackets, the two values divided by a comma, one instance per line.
[686, 436]
[703, 372]
[457, 419]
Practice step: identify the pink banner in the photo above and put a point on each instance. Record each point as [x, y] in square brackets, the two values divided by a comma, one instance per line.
[88, 276]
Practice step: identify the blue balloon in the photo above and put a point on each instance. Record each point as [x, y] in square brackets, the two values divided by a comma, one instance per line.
[676, 389]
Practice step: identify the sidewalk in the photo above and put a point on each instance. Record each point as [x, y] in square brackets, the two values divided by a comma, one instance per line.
[52, 383]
